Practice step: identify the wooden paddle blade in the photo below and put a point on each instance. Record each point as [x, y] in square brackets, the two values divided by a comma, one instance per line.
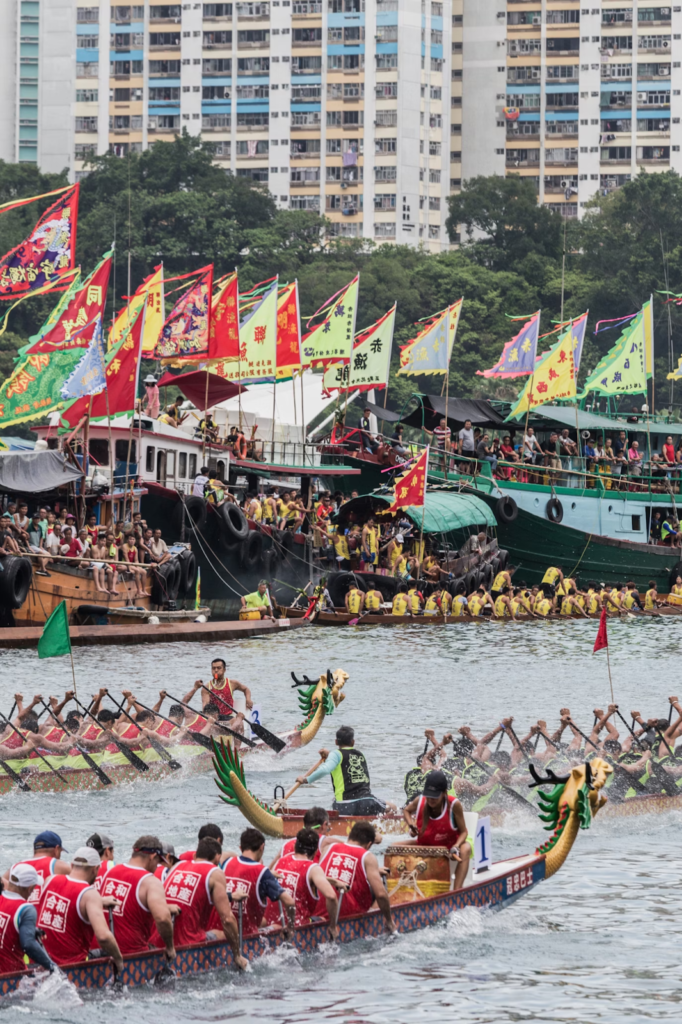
[15, 777]
[132, 757]
[268, 737]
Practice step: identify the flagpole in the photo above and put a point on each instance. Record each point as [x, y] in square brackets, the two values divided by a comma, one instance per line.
[608, 665]
[274, 394]
[86, 442]
[426, 477]
[73, 670]
[111, 443]
[203, 444]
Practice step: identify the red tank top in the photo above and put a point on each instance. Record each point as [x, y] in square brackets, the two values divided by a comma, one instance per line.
[346, 863]
[131, 732]
[440, 831]
[296, 881]
[165, 728]
[188, 855]
[11, 953]
[187, 886]
[243, 876]
[226, 689]
[289, 845]
[196, 725]
[93, 732]
[68, 937]
[13, 741]
[45, 868]
[133, 923]
[104, 868]
[56, 734]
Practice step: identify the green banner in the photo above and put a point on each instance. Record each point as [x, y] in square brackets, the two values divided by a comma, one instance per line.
[33, 389]
[55, 639]
[624, 370]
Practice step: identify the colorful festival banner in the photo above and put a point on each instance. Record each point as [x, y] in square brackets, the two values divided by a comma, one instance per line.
[224, 333]
[122, 373]
[332, 340]
[33, 389]
[626, 367]
[410, 488]
[288, 333]
[72, 323]
[430, 351]
[257, 345]
[370, 360]
[89, 375]
[151, 289]
[47, 253]
[184, 336]
[554, 378]
[518, 355]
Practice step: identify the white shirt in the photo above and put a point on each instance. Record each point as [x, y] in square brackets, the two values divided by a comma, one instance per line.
[198, 489]
[530, 441]
[467, 439]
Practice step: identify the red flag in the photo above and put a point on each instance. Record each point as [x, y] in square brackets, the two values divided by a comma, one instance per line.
[223, 339]
[602, 639]
[47, 253]
[75, 325]
[185, 334]
[288, 332]
[411, 486]
[123, 367]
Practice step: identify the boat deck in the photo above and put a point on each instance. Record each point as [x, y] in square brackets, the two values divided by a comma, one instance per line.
[165, 632]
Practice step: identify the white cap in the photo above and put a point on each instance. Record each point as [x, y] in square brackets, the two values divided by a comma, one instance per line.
[399, 537]
[85, 856]
[24, 875]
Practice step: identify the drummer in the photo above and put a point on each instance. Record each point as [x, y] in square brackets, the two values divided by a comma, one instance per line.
[259, 600]
[436, 819]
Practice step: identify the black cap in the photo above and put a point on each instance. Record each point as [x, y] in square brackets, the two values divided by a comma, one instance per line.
[436, 784]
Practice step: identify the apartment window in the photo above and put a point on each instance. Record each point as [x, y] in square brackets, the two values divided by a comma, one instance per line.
[87, 95]
[306, 119]
[334, 118]
[435, 121]
[353, 91]
[386, 5]
[253, 37]
[307, 7]
[386, 91]
[305, 147]
[434, 202]
[209, 121]
[164, 122]
[653, 42]
[87, 15]
[253, 65]
[384, 201]
[383, 173]
[653, 152]
[434, 148]
[562, 155]
[259, 120]
[353, 117]
[333, 146]
[554, 71]
[121, 122]
[387, 33]
[333, 202]
[217, 10]
[85, 150]
[333, 174]
[306, 35]
[212, 39]
[384, 145]
[164, 38]
[616, 16]
[436, 10]
[652, 70]
[515, 46]
[216, 66]
[253, 10]
[434, 177]
[305, 203]
[386, 118]
[346, 6]
[164, 67]
[305, 93]
[563, 17]
[616, 70]
[88, 42]
[166, 92]
[653, 98]
[124, 68]
[164, 12]
[385, 61]
[86, 124]
[653, 14]
[435, 92]
[344, 61]
[253, 173]
[562, 44]
[306, 65]
[253, 92]
[305, 174]
[88, 69]
[384, 230]
[253, 148]
[436, 37]
[215, 92]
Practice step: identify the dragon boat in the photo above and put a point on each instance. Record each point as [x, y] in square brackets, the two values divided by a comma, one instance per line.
[316, 701]
[341, 617]
[419, 892]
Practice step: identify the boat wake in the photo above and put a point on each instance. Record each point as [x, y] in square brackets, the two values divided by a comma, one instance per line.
[48, 992]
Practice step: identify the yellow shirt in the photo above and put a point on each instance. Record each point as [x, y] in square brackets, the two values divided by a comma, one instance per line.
[650, 600]
[592, 602]
[629, 599]
[459, 606]
[500, 581]
[371, 540]
[581, 601]
[399, 606]
[282, 508]
[566, 606]
[543, 607]
[476, 604]
[341, 546]
[501, 607]
[413, 601]
[255, 510]
[551, 576]
[400, 565]
[675, 595]
[354, 600]
[616, 597]
[396, 552]
[373, 600]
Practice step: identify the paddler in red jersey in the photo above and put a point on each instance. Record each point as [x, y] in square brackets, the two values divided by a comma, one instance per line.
[71, 914]
[104, 846]
[18, 918]
[247, 878]
[436, 819]
[222, 690]
[141, 902]
[46, 859]
[353, 868]
[306, 883]
[198, 888]
[315, 818]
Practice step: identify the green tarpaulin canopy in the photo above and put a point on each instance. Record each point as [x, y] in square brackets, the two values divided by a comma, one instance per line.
[444, 512]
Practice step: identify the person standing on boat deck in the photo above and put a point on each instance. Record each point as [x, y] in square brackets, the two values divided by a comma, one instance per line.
[466, 445]
[655, 528]
[352, 866]
[532, 452]
[369, 442]
[259, 599]
[19, 930]
[552, 581]
[436, 819]
[247, 878]
[71, 914]
[141, 901]
[503, 579]
[200, 481]
[350, 777]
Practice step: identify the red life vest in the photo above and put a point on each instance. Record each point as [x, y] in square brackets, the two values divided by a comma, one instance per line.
[187, 886]
[296, 881]
[196, 725]
[243, 875]
[133, 923]
[131, 732]
[68, 937]
[11, 953]
[45, 868]
[440, 831]
[346, 863]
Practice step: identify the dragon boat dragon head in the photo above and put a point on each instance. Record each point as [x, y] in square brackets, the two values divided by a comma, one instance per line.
[570, 806]
[317, 700]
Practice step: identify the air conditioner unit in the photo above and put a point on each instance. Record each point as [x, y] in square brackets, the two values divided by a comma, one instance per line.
[564, 184]
[663, 72]
[611, 183]
[535, 73]
[536, 21]
[642, 97]
[666, 44]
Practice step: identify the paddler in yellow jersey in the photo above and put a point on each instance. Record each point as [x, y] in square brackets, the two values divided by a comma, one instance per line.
[400, 566]
[354, 601]
[616, 596]
[543, 607]
[593, 601]
[503, 606]
[400, 604]
[374, 600]
[552, 579]
[439, 603]
[521, 602]
[341, 549]
[370, 543]
[570, 604]
[675, 595]
[254, 509]
[478, 601]
[564, 587]
[651, 602]
[502, 579]
[394, 550]
[415, 599]
[632, 601]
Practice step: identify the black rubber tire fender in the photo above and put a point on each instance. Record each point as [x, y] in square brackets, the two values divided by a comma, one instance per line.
[471, 582]
[233, 523]
[503, 556]
[15, 581]
[166, 582]
[251, 551]
[194, 509]
[287, 544]
[554, 510]
[506, 509]
[486, 575]
[187, 561]
[496, 566]
[458, 586]
[339, 584]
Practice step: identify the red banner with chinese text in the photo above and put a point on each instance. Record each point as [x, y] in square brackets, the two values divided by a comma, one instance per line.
[73, 324]
[288, 333]
[410, 488]
[223, 340]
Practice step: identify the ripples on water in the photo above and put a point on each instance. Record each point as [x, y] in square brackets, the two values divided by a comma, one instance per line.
[597, 943]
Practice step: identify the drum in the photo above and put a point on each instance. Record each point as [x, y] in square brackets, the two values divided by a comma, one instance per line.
[249, 613]
[416, 872]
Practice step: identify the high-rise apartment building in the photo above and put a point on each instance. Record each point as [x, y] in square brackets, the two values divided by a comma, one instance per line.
[577, 98]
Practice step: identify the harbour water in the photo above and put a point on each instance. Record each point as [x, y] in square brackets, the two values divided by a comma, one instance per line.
[599, 942]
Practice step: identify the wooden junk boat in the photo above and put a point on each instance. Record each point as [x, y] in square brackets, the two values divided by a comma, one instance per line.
[419, 887]
[316, 701]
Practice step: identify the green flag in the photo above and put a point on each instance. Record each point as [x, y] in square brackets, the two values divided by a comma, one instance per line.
[32, 389]
[56, 639]
[627, 366]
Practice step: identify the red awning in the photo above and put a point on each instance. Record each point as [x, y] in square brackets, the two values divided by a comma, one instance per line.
[193, 386]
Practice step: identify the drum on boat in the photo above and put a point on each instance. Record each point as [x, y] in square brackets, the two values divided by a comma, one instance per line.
[249, 613]
[416, 872]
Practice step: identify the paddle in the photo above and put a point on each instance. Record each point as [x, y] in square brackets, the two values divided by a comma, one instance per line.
[154, 744]
[508, 789]
[129, 754]
[518, 741]
[264, 734]
[205, 741]
[14, 776]
[635, 783]
[41, 756]
[99, 772]
[657, 770]
[278, 803]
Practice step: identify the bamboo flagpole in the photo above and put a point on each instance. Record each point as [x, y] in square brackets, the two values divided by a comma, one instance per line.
[602, 641]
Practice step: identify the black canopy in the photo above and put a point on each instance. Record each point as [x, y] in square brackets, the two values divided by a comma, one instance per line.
[481, 413]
